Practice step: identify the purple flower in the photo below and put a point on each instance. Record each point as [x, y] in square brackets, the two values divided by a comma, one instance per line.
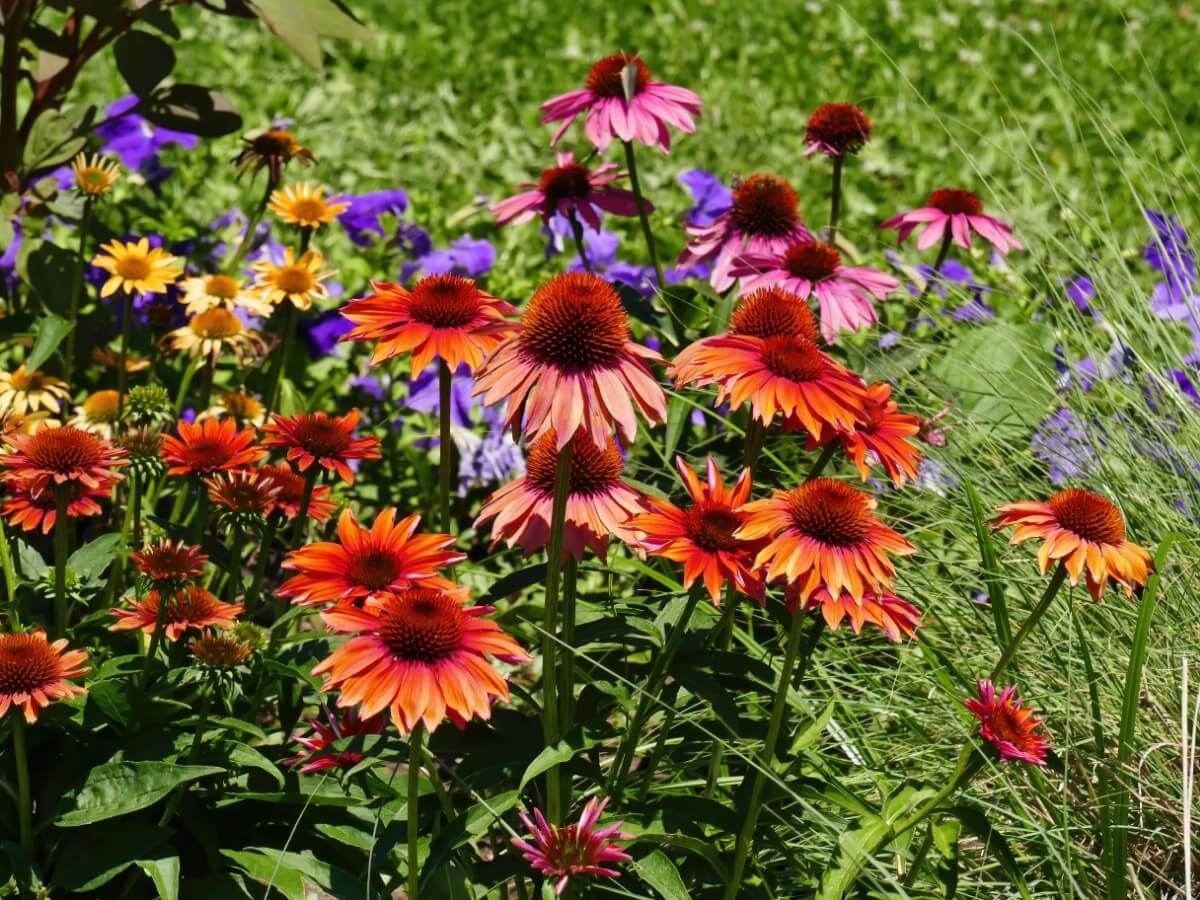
[975, 310]
[8, 260]
[1183, 381]
[1080, 291]
[487, 459]
[371, 386]
[423, 395]
[467, 256]
[890, 339]
[1170, 252]
[951, 272]
[321, 334]
[132, 139]
[935, 478]
[1069, 446]
[710, 198]
[362, 218]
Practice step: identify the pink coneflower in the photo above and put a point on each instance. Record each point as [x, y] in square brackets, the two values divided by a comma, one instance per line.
[959, 211]
[570, 189]
[846, 294]
[764, 219]
[1007, 725]
[561, 852]
[316, 755]
[643, 117]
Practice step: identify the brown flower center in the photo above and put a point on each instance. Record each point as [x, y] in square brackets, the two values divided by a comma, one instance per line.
[191, 605]
[605, 78]
[711, 527]
[830, 512]
[246, 493]
[773, 312]
[843, 127]
[64, 450]
[221, 286]
[321, 436]
[294, 279]
[26, 381]
[1088, 515]
[793, 358]
[594, 470]
[102, 406]
[277, 142]
[26, 664]
[766, 206]
[811, 260]
[422, 625]
[217, 323]
[133, 268]
[575, 322]
[445, 301]
[374, 568]
[564, 183]
[309, 209]
[955, 202]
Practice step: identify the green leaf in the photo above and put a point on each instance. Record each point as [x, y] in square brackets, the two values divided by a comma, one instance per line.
[113, 698]
[247, 757]
[514, 582]
[164, 872]
[193, 109]
[91, 857]
[33, 566]
[549, 758]
[677, 415]
[114, 789]
[852, 854]
[93, 558]
[143, 60]
[52, 139]
[975, 821]
[265, 864]
[301, 23]
[997, 373]
[50, 331]
[992, 577]
[813, 732]
[660, 873]
[51, 272]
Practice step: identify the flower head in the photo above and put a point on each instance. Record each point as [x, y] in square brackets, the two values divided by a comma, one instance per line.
[214, 331]
[35, 672]
[837, 129]
[824, 534]
[1008, 725]
[883, 437]
[12, 422]
[297, 281]
[136, 268]
[444, 317]
[571, 365]
[67, 456]
[316, 755]
[894, 617]
[24, 509]
[953, 213]
[291, 494]
[562, 852]
[98, 413]
[167, 560]
[241, 407]
[188, 607]
[204, 292]
[271, 150]
[701, 537]
[623, 103]
[246, 492]
[111, 359]
[220, 649]
[1085, 531]
[569, 189]
[419, 653]
[322, 439]
[214, 445]
[94, 175]
[306, 206]
[24, 392]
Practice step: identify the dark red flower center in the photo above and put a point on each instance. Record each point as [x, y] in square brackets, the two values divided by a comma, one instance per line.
[445, 301]
[955, 202]
[811, 260]
[321, 435]
[841, 127]
[793, 358]
[564, 183]
[26, 663]
[245, 494]
[830, 511]
[594, 470]
[1088, 515]
[374, 568]
[422, 625]
[765, 206]
[773, 312]
[1004, 725]
[575, 322]
[191, 605]
[64, 450]
[711, 527]
[605, 78]
[569, 851]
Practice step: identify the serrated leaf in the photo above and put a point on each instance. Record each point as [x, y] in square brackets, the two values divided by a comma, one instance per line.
[114, 789]
[660, 873]
[49, 331]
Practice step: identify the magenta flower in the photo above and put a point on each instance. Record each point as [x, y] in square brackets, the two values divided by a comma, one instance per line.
[845, 294]
[316, 755]
[1007, 725]
[644, 117]
[569, 188]
[763, 220]
[562, 851]
[959, 211]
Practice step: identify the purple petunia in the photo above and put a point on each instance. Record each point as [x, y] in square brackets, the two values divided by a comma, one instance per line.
[472, 257]
[135, 141]
[710, 198]
[362, 218]
[322, 333]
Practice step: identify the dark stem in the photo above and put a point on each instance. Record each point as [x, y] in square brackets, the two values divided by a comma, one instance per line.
[943, 252]
[445, 445]
[279, 363]
[835, 201]
[823, 460]
[413, 798]
[260, 564]
[251, 227]
[310, 484]
[566, 690]
[643, 217]
[193, 753]
[756, 435]
[235, 561]
[723, 635]
[126, 316]
[166, 593]
[577, 233]
[135, 493]
[200, 514]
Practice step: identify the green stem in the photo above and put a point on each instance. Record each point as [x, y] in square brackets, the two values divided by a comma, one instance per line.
[135, 493]
[823, 460]
[756, 435]
[1010, 651]
[85, 224]
[251, 227]
[445, 445]
[24, 801]
[186, 382]
[166, 593]
[62, 537]
[193, 753]
[668, 700]
[126, 317]
[235, 561]
[643, 217]
[550, 723]
[181, 496]
[279, 363]
[745, 839]
[301, 526]
[200, 514]
[835, 201]
[10, 581]
[724, 640]
[413, 797]
[943, 252]
[260, 565]
[566, 690]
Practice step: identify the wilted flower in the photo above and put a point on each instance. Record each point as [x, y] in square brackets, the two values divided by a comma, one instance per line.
[1008, 725]
[271, 150]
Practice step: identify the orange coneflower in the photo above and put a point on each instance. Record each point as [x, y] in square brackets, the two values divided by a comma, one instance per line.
[702, 536]
[22, 509]
[291, 494]
[1008, 725]
[322, 439]
[191, 607]
[64, 455]
[599, 503]
[136, 268]
[25, 392]
[882, 438]
[297, 281]
[305, 205]
[35, 672]
[420, 653]
[788, 375]
[167, 560]
[823, 534]
[894, 617]
[271, 150]
[571, 365]
[444, 316]
[214, 445]
[246, 491]
[363, 562]
[1085, 531]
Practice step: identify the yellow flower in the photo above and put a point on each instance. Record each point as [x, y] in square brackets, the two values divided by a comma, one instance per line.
[98, 413]
[23, 423]
[212, 331]
[111, 359]
[24, 392]
[244, 409]
[305, 205]
[272, 150]
[95, 176]
[297, 280]
[204, 292]
[136, 268]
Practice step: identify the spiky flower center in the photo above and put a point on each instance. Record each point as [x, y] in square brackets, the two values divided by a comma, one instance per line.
[102, 406]
[811, 260]
[606, 79]
[1088, 515]
[27, 663]
[773, 312]
[191, 605]
[321, 435]
[245, 492]
[64, 450]
[277, 142]
[765, 206]
[711, 527]
[217, 324]
[445, 301]
[221, 286]
[133, 267]
[220, 650]
[568, 849]
[793, 358]
[564, 183]
[170, 561]
[575, 322]
[955, 202]
[594, 470]
[841, 127]
[421, 625]
[830, 512]
[294, 279]
[374, 568]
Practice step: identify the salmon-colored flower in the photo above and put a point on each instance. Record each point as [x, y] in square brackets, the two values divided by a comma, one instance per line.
[167, 560]
[189, 607]
[291, 494]
[884, 437]
[214, 445]
[894, 617]
[1085, 531]
[444, 317]
[322, 439]
[701, 537]
[570, 189]
[22, 509]
[599, 503]
[53, 456]
[34, 673]
[824, 534]
[316, 755]
[389, 556]
[421, 654]
[563, 852]
[955, 214]
[571, 365]
[1008, 725]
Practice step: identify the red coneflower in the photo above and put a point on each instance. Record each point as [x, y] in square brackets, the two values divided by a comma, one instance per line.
[34, 672]
[571, 365]
[316, 755]
[599, 503]
[1007, 725]
[823, 534]
[788, 375]
[951, 214]
[895, 617]
[883, 437]
[191, 607]
[243, 491]
[702, 536]
[322, 439]
[444, 317]
[362, 563]
[562, 852]
[291, 494]
[421, 654]
[1084, 530]
[53, 456]
[167, 560]
[22, 509]
[570, 189]
[214, 445]
[837, 129]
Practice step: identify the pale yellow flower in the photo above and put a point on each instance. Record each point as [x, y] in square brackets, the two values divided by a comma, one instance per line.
[204, 292]
[24, 392]
[98, 413]
[213, 331]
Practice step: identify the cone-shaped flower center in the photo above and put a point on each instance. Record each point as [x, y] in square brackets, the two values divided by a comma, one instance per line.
[772, 312]
[247, 493]
[575, 322]
[422, 625]
[374, 568]
[217, 323]
[170, 561]
[26, 664]
[1088, 515]
[593, 469]
[63, 449]
[308, 209]
[274, 143]
[830, 512]
[793, 358]
[711, 527]
[765, 205]
[955, 202]
[843, 127]
[321, 436]
[564, 183]
[220, 649]
[811, 260]
[221, 286]
[604, 80]
[190, 605]
[445, 301]
[133, 268]
[294, 279]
